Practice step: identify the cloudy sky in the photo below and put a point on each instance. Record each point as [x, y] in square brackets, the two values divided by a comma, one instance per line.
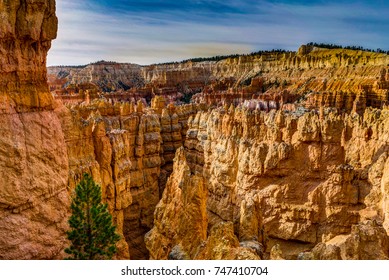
[150, 31]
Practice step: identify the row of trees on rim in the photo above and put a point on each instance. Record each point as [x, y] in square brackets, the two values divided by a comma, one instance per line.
[354, 48]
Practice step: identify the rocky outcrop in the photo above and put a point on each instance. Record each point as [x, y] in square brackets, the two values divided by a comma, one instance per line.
[180, 230]
[120, 146]
[174, 125]
[313, 77]
[183, 203]
[126, 147]
[34, 202]
[366, 241]
[290, 180]
[273, 173]
[108, 76]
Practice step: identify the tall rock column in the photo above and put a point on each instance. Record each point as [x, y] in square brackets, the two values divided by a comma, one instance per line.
[34, 202]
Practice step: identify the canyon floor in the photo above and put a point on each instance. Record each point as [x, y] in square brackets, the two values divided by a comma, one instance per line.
[273, 155]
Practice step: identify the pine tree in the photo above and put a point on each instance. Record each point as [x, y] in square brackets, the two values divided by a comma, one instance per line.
[92, 233]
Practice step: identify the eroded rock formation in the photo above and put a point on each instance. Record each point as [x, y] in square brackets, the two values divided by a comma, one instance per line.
[287, 156]
[313, 77]
[303, 183]
[128, 148]
[34, 201]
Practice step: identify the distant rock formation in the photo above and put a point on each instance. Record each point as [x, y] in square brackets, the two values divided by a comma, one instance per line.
[349, 80]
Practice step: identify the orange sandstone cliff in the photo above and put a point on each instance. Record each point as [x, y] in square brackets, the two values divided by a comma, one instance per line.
[128, 148]
[45, 147]
[34, 201]
[279, 156]
[311, 77]
[291, 185]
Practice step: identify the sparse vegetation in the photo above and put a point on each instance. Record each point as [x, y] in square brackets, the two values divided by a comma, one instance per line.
[354, 48]
[92, 233]
[187, 98]
[246, 82]
[104, 62]
[70, 66]
[222, 57]
[262, 52]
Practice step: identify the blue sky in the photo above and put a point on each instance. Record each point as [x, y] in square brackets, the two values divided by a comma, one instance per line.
[150, 31]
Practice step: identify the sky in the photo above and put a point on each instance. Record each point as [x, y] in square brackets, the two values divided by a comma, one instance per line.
[150, 31]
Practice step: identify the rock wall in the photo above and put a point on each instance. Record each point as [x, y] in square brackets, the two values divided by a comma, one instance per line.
[248, 184]
[174, 125]
[182, 204]
[300, 183]
[126, 148]
[34, 202]
[106, 75]
[181, 222]
[346, 79]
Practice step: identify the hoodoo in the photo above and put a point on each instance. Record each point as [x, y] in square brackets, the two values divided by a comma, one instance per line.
[273, 155]
[34, 201]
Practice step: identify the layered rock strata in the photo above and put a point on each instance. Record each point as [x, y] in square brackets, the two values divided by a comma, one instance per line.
[34, 202]
[181, 223]
[313, 185]
[174, 125]
[268, 179]
[346, 79]
[127, 148]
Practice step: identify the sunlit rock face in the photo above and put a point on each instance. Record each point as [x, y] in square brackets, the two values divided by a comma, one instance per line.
[255, 178]
[285, 153]
[294, 185]
[34, 202]
[312, 77]
[129, 149]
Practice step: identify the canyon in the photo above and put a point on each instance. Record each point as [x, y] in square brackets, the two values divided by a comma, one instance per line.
[273, 155]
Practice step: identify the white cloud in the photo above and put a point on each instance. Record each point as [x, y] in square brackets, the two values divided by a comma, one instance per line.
[87, 33]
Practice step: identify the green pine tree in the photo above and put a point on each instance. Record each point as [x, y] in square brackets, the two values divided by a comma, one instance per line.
[92, 233]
